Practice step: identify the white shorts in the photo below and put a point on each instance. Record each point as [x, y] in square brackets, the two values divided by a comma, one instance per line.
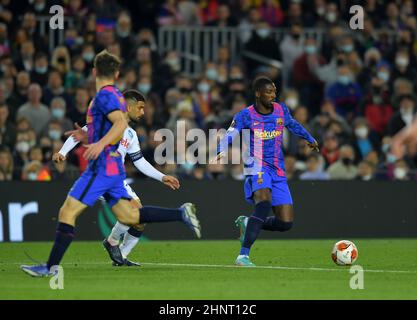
[130, 191]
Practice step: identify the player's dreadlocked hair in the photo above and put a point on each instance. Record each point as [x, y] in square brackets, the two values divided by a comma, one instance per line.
[134, 95]
[260, 82]
[106, 64]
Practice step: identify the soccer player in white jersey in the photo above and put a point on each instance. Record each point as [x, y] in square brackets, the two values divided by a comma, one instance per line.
[129, 144]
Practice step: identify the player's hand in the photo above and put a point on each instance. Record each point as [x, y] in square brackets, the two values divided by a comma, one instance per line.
[93, 151]
[218, 157]
[314, 146]
[78, 134]
[171, 182]
[57, 157]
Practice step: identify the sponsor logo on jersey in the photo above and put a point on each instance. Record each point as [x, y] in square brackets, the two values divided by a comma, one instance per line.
[124, 143]
[266, 135]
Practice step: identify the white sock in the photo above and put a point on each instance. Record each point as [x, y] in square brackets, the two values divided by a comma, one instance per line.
[129, 242]
[240, 256]
[117, 232]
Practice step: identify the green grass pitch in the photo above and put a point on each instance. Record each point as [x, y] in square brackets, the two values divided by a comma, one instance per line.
[288, 269]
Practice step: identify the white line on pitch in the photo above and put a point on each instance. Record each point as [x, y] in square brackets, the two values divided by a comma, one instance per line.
[192, 265]
[269, 267]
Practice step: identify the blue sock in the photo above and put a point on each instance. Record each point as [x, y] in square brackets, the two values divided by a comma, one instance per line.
[254, 225]
[134, 232]
[63, 238]
[275, 224]
[149, 214]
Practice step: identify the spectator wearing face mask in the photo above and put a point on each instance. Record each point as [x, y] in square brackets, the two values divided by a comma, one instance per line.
[309, 86]
[58, 113]
[39, 73]
[366, 171]
[35, 171]
[364, 140]
[21, 151]
[262, 44]
[344, 168]
[404, 116]
[377, 106]
[345, 93]
[54, 131]
[401, 171]
[330, 150]
[403, 68]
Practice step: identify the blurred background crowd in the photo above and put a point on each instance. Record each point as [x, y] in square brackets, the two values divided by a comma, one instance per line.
[352, 89]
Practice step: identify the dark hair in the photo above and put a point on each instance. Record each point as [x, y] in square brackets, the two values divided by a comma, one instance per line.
[260, 83]
[132, 94]
[106, 64]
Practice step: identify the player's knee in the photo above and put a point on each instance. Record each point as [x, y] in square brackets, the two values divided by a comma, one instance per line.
[66, 213]
[131, 218]
[263, 195]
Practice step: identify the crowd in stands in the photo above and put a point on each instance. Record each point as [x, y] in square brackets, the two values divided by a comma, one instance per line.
[352, 89]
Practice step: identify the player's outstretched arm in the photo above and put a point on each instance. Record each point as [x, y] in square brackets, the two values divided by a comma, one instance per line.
[296, 128]
[147, 169]
[116, 131]
[74, 137]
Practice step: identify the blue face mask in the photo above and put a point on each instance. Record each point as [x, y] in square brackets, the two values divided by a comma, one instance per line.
[54, 134]
[41, 70]
[58, 113]
[144, 87]
[344, 80]
[347, 48]
[203, 87]
[263, 33]
[32, 176]
[212, 74]
[310, 49]
[88, 57]
[383, 75]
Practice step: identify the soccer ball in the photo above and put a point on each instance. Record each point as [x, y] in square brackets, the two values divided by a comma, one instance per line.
[344, 253]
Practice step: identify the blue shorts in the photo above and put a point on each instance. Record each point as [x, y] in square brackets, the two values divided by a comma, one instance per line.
[278, 186]
[90, 186]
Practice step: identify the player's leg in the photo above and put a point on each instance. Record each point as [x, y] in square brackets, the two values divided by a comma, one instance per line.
[120, 229]
[282, 207]
[258, 190]
[65, 231]
[84, 192]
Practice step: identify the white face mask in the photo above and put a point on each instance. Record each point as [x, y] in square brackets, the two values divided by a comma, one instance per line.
[23, 146]
[291, 102]
[402, 61]
[331, 17]
[400, 173]
[361, 132]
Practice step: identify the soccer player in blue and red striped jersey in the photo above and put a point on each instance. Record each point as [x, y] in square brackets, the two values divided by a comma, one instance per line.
[265, 184]
[106, 122]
